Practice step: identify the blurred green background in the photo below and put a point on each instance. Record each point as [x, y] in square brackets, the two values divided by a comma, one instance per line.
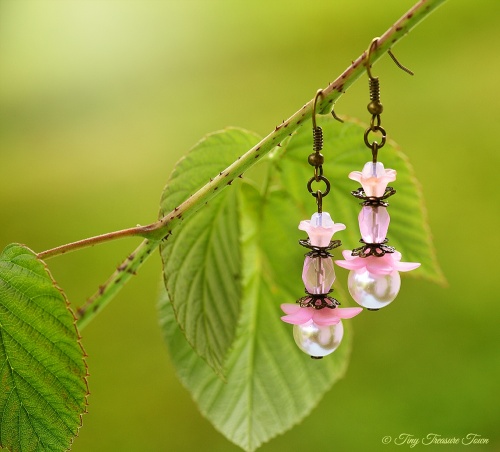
[100, 98]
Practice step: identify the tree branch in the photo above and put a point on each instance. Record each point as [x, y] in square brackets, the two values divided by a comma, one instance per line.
[115, 282]
[325, 103]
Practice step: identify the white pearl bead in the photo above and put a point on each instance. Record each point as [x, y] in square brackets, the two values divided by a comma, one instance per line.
[318, 341]
[373, 291]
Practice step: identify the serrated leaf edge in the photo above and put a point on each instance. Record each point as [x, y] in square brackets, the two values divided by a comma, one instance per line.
[79, 337]
[79, 341]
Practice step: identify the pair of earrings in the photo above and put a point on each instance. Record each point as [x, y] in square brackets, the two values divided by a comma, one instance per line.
[374, 279]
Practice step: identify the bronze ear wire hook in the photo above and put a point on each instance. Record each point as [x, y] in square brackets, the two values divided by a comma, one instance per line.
[371, 47]
[315, 101]
[335, 116]
[375, 106]
[368, 56]
[320, 93]
[398, 64]
[317, 159]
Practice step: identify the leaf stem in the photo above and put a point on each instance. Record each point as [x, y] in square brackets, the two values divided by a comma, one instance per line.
[140, 231]
[161, 229]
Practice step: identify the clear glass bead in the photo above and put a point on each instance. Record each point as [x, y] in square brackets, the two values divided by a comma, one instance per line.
[373, 291]
[318, 341]
[318, 274]
[373, 223]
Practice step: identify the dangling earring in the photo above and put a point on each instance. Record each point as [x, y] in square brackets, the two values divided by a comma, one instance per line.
[374, 279]
[316, 317]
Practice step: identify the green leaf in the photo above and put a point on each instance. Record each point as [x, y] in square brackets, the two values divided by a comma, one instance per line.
[270, 384]
[201, 259]
[345, 151]
[42, 371]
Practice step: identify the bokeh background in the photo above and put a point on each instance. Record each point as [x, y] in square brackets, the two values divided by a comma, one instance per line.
[100, 98]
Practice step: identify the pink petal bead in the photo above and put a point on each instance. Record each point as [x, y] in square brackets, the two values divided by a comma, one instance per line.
[328, 316]
[384, 265]
[320, 228]
[373, 224]
[318, 274]
[295, 314]
[374, 178]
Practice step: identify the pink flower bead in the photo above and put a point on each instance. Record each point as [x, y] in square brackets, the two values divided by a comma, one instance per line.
[297, 315]
[320, 228]
[374, 178]
[384, 265]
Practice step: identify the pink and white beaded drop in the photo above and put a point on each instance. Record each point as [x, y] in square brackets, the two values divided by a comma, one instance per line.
[316, 318]
[374, 279]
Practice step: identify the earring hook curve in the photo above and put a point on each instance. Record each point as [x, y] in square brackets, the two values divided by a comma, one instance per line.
[318, 93]
[371, 47]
